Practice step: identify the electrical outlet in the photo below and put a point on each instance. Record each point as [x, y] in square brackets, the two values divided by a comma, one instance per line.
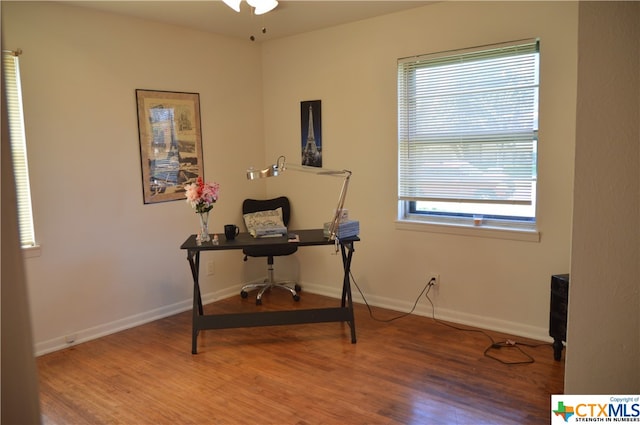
[210, 268]
[434, 278]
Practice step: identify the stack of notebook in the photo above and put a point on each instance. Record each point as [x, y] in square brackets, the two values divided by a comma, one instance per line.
[268, 231]
[346, 229]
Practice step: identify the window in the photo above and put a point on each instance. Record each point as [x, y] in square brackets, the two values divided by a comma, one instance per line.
[11, 75]
[467, 135]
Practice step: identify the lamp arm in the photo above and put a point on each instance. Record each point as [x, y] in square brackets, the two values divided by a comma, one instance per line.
[333, 228]
[281, 166]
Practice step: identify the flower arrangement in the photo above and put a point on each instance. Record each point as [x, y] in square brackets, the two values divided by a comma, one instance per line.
[202, 195]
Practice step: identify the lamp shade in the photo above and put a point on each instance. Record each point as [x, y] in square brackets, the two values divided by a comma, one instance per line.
[271, 171]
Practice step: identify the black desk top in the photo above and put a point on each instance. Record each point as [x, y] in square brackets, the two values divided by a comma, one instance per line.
[309, 237]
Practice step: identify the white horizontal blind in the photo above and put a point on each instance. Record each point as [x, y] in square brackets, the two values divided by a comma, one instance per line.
[467, 124]
[11, 75]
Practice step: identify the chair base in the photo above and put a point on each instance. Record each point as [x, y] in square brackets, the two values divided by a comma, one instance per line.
[269, 283]
[266, 286]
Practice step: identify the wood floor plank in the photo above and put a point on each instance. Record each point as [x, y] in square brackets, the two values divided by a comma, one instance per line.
[411, 371]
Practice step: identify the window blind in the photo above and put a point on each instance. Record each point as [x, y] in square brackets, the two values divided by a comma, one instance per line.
[11, 75]
[467, 124]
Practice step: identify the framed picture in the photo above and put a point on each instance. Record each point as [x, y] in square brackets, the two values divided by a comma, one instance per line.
[170, 143]
[311, 132]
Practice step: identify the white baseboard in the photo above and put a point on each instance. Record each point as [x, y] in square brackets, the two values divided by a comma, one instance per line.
[95, 332]
[423, 309]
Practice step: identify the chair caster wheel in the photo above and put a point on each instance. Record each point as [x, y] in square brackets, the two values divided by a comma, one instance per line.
[244, 294]
[296, 297]
[298, 288]
[258, 301]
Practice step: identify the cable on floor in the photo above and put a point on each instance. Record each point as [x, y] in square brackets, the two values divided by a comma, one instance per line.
[393, 318]
[510, 344]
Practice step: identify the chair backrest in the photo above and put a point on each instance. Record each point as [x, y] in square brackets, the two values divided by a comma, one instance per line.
[255, 205]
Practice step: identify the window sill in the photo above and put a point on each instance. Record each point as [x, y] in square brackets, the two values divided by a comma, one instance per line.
[482, 231]
[31, 251]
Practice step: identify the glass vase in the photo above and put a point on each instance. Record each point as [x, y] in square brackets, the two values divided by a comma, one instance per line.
[204, 236]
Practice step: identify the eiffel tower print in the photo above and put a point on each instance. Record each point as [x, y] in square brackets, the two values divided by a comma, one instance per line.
[312, 146]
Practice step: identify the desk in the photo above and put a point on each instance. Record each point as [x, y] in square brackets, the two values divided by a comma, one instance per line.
[314, 237]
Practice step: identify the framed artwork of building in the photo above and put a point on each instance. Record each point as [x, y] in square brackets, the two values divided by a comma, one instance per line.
[311, 132]
[170, 143]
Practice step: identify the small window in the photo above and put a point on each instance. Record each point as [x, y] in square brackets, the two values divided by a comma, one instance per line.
[467, 135]
[13, 92]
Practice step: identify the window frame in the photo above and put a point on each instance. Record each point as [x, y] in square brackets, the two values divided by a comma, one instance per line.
[17, 138]
[407, 211]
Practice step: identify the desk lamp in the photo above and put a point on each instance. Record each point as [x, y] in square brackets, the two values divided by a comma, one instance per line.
[280, 166]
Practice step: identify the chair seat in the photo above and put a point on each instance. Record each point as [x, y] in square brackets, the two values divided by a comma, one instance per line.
[260, 251]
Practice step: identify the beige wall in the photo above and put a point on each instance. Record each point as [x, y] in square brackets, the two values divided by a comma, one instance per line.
[603, 353]
[494, 283]
[108, 261]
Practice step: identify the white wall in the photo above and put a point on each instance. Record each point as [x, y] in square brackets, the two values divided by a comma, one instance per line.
[494, 283]
[603, 336]
[108, 261]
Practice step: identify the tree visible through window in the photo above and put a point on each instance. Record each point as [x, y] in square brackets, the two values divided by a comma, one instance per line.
[468, 130]
[13, 92]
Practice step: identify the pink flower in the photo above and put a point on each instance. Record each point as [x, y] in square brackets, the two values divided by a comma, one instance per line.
[202, 195]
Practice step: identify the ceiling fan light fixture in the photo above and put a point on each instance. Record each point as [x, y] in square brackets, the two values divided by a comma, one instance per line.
[259, 6]
[262, 6]
[234, 4]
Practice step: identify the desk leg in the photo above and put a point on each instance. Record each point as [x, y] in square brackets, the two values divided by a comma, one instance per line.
[194, 262]
[346, 285]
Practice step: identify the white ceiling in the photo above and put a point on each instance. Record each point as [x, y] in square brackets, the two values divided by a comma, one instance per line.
[289, 18]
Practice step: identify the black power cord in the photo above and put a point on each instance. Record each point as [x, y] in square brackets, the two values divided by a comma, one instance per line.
[510, 344]
[393, 318]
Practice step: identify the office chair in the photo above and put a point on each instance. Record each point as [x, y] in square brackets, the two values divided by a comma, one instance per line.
[250, 206]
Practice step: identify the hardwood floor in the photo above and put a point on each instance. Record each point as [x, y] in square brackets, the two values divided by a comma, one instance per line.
[413, 370]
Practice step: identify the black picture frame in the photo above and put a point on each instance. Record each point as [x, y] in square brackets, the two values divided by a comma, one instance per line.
[311, 133]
